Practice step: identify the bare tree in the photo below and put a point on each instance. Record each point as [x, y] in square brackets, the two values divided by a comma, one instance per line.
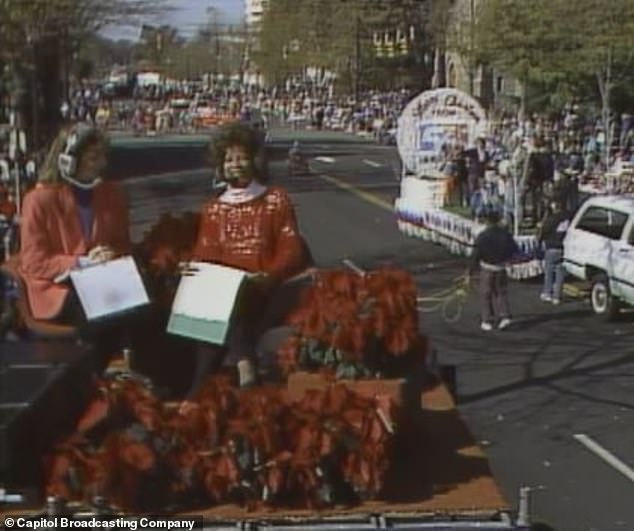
[36, 41]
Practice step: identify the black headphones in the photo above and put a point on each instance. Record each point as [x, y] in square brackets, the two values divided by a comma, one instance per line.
[67, 160]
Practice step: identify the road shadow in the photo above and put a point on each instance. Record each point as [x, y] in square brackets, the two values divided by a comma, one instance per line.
[546, 347]
[568, 372]
[526, 322]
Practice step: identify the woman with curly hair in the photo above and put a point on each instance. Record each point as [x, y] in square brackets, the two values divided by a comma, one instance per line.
[249, 226]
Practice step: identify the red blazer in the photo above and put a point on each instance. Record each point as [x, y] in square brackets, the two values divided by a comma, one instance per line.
[51, 239]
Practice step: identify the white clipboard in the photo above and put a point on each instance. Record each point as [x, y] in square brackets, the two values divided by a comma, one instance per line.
[109, 288]
[205, 302]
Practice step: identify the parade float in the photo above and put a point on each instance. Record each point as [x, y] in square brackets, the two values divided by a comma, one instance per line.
[431, 121]
[357, 431]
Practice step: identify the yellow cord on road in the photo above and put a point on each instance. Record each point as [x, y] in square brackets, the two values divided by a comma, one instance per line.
[574, 291]
[449, 301]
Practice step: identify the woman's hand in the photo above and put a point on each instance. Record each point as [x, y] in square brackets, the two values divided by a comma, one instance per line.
[262, 280]
[187, 269]
[101, 254]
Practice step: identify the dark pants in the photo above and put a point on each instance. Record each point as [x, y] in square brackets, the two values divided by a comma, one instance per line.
[572, 199]
[463, 188]
[262, 314]
[494, 295]
[472, 185]
[459, 192]
[553, 273]
[108, 336]
[537, 201]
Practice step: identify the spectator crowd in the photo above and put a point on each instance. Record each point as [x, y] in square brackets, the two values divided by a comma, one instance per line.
[547, 158]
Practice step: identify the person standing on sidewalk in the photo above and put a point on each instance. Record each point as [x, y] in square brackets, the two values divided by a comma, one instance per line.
[494, 247]
[551, 235]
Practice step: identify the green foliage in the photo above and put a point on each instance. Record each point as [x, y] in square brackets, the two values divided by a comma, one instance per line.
[314, 355]
[276, 55]
[339, 35]
[565, 47]
[598, 40]
[520, 38]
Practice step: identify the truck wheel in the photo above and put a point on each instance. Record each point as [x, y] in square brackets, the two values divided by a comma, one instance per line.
[603, 303]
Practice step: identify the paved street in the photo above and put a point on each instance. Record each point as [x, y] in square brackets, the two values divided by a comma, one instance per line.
[533, 395]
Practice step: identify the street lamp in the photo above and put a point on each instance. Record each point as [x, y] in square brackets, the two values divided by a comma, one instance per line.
[357, 56]
[471, 47]
[357, 47]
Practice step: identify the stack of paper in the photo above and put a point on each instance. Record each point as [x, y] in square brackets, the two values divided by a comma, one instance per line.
[205, 302]
[107, 289]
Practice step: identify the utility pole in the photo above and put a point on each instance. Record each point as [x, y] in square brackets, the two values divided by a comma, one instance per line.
[356, 75]
[216, 51]
[214, 29]
[471, 47]
[357, 56]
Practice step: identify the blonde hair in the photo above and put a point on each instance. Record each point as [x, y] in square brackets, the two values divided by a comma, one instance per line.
[49, 173]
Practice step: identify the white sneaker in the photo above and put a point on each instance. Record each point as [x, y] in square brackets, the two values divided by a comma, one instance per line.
[555, 301]
[246, 373]
[545, 297]
[504, 323]
[487, 327]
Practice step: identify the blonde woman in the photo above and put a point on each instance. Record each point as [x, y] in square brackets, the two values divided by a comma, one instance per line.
[72, 217]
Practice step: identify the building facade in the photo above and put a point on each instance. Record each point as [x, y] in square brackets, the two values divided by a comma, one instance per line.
[254, 11]
[492, 88]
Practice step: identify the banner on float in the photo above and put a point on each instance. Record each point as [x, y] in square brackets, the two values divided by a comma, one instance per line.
[437, 118]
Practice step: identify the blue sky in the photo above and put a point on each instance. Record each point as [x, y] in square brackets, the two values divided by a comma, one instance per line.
[187, 15]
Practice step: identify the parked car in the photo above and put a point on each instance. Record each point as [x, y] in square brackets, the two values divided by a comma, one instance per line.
[599, 247]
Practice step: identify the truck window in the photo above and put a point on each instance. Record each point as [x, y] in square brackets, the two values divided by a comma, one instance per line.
[604, 222]
[630, 240]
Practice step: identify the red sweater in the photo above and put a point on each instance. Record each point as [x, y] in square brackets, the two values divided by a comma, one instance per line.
[260, 235]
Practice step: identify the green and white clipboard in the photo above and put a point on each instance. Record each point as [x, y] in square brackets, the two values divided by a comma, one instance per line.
[205, 302]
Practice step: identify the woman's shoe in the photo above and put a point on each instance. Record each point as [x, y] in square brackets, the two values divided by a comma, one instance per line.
[505, 322]
[247, 375]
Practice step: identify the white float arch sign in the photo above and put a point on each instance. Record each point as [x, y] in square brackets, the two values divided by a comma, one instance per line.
[434, 118]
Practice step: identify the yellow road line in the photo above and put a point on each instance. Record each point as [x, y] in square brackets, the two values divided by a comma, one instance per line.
[366, 196]
[574, 291]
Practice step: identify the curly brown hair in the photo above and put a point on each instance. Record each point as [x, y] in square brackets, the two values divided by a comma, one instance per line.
[234, 134]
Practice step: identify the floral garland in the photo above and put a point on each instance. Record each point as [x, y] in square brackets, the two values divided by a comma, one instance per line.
[349, 323]
[458, 234]
[250, 447]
